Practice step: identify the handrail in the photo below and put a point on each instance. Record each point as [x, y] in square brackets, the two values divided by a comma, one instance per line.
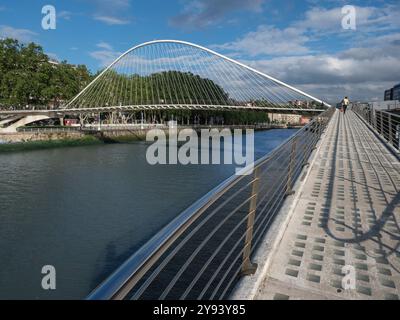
[384, 122]
[144, 266]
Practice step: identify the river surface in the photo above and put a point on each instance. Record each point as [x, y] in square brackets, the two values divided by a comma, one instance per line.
[84, 210]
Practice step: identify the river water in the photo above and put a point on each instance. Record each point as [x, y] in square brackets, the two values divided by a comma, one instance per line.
[84, 210]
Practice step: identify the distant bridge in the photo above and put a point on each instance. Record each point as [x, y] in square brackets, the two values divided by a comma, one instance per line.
[178, 75]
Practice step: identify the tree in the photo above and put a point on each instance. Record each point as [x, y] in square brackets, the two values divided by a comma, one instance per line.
[28, 78]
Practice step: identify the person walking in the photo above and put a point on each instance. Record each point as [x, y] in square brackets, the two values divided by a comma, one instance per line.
[345, 104]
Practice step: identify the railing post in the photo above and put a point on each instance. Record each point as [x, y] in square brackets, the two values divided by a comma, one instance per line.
[390, 129]
[316, 131]
[248, 267]
[289, 184]
[321, 127]
[306, 151]
[373, 118]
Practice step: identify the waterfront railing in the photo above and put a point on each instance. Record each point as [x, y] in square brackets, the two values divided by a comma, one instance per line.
[385, 122]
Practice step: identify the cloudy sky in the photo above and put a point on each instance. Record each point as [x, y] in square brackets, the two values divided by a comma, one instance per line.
[301, 42]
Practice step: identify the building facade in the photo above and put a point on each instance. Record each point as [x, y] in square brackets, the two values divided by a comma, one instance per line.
[289, 119]
[396, 92]
[393, 93]
[389, 95]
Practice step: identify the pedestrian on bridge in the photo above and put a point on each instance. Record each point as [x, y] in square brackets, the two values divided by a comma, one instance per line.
[345, 104]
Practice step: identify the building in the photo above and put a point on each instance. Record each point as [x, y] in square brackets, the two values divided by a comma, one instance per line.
[290, 119]
[389, 95]
[70, 122]
[53, 62]
[393, 93]
[396, 92]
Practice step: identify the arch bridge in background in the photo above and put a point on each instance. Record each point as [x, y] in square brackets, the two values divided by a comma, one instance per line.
[179, 75]
[172, 74]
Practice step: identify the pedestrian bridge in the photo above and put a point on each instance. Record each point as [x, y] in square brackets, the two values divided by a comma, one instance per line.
[318, 218]
[172, 75]
[344, 220]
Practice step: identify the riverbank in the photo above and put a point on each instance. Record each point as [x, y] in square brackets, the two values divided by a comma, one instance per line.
[48, 144]
[58, 138]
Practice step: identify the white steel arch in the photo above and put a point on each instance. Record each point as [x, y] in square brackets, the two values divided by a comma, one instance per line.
[189, 44]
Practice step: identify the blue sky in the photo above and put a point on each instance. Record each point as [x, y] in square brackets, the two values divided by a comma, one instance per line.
[298, 41]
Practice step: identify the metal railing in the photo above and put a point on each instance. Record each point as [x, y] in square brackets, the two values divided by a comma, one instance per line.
[385, 123]
[204, 250]
[146, 126]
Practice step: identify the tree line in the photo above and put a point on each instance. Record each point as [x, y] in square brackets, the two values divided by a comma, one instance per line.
[29, 78]
[166, 87]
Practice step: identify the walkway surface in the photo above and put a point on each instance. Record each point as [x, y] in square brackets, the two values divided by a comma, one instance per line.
[347, 218]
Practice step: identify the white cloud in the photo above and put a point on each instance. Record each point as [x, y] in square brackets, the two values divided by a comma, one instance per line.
[114, 12]
[110, 20]
[368, 19]
[104, 45]
[66, 15]
[370, 91]
[23, 35]
[106, 55]
[330, 69]
[202, 13]
[362, 73]
[109, 5]
[270, 41]
[368, 64]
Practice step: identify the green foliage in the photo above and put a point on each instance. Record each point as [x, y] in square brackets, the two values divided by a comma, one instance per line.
[49, 144]
[167, 87]
[28, 78]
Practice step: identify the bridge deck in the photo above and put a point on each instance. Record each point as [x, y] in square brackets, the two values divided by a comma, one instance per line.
[348, 215]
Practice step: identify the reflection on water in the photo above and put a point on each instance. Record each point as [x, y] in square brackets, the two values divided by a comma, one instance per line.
[85, 210]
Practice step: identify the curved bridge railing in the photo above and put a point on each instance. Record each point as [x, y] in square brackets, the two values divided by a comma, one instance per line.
[203, 251]
[385, 123]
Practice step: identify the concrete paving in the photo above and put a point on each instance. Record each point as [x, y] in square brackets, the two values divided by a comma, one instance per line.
[347, 220]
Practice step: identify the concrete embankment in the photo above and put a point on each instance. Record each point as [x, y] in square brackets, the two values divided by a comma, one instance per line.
[22, 141]
[20, 137]
[43, 139]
